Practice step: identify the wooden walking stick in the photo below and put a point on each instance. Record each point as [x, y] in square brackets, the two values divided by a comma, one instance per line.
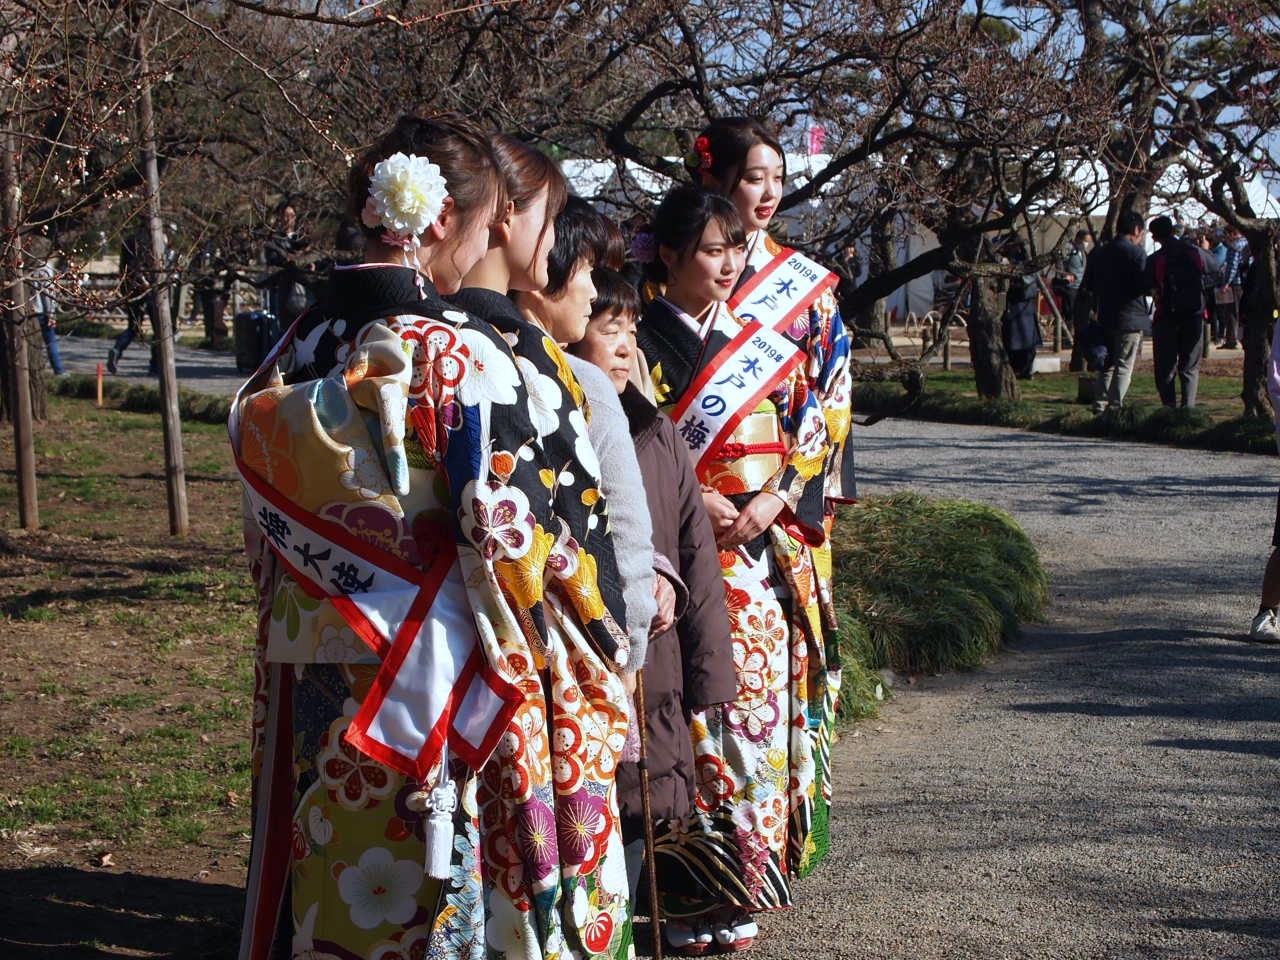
[655, 920]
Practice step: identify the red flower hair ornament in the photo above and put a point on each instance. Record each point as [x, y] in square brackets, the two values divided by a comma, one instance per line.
[702, 147]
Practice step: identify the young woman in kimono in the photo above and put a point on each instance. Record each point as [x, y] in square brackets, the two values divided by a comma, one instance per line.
[740, 400]
[522, 246]
[561, 310]
[415, 602]
[788, 292]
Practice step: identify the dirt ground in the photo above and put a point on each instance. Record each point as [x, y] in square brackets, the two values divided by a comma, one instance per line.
[124, 693]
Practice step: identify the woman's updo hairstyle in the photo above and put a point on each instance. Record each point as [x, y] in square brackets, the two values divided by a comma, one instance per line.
[721, 150]
[525, 171]
[457, 146]
[683, 215]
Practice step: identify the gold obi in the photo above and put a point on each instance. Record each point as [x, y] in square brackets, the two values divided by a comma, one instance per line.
[751, 455]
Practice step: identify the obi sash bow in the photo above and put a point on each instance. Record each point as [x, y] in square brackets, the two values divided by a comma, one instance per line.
[435, 687]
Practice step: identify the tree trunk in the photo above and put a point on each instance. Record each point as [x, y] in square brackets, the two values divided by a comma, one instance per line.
[174, 470]
[880, 260]
[992, 374]
[1261, 298]
[16, 314]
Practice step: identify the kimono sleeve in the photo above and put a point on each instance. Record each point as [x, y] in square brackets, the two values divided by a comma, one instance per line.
[831, 379]
[800, 483]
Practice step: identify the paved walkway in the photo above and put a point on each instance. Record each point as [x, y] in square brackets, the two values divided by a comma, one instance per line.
[204, 371]
[1110, 786]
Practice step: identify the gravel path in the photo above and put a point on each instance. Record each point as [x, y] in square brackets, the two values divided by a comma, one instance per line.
[1109, 786]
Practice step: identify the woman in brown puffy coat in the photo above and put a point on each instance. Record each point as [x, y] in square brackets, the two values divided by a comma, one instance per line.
[690, 665]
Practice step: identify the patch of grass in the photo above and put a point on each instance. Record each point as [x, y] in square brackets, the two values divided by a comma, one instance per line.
[210, 465]
[18, 748]
[90, 486]
[175, 586]
[932, 585]
[188, 829]
[862, 691]
[1048, 405]
[132, 700]
[130, 618]
[145, 398]
[38, 614]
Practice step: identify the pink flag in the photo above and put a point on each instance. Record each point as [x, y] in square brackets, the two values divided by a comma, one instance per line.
[817, 138]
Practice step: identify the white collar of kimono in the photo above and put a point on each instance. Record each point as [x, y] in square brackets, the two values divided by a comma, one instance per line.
[701, 324]
[756, 250]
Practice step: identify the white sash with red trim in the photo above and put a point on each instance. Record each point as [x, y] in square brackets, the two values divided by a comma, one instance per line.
[435, 686]
[782, 290]
[732, 384]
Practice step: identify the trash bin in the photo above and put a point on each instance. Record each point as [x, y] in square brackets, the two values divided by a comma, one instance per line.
[255, 333]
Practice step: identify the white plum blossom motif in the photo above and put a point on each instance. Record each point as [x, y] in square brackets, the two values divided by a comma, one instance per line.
[320, 827]
[406, 194]
[380, 889]
[582, 446]
[497, 519]
[304, 945]
[545, 397]
[363, 473]
[507, 928]
[339, 644]
[812, 433]
[613, 873]
[493, 377]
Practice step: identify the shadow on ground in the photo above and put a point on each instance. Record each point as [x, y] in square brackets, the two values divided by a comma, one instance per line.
[69, 913]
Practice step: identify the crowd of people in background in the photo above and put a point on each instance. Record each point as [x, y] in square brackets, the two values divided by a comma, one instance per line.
[1114, 295]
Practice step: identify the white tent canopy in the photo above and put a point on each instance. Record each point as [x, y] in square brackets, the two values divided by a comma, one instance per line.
[1172, 194]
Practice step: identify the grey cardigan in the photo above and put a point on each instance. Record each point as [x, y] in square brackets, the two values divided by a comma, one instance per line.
[629, 522]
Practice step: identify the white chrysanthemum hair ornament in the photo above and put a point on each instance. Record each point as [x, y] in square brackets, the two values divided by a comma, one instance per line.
[406, 195]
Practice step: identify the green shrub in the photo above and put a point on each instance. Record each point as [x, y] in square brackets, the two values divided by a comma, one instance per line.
[1145, 422]
[145, 398]
[1244, 434]
[83, 327]
[862, 689]
[934, 585]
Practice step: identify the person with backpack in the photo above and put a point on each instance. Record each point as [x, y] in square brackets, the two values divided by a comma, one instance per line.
[1177, 274]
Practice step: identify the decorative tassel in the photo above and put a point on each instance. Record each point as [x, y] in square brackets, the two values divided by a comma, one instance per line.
[439, 853]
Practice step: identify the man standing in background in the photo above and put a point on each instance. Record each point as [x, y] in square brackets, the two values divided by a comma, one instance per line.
[1115, 276]
[1067, 286]
[1176, 274]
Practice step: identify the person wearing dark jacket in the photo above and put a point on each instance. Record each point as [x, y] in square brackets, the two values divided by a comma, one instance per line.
[1020, 324]
[1176, 274]
[688, 666]
[1115, 276]
[286, 290]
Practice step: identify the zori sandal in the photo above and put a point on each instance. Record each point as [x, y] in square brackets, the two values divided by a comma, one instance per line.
[743, 933]
[688, 940]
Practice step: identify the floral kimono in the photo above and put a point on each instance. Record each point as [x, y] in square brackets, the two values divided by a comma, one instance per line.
[794, 294]
[560, 413]
[436, 728]
[740, 399]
